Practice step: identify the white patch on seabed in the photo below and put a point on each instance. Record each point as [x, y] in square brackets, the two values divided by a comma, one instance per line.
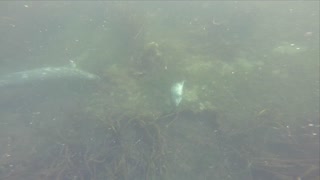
[177, 92]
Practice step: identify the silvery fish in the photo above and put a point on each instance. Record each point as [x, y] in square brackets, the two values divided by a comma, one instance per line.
[176, 92]
[46, 74]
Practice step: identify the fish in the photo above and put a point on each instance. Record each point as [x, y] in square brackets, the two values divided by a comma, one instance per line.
[177, 92]
[46, 74]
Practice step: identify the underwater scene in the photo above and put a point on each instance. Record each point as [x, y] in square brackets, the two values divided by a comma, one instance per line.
[159, 90]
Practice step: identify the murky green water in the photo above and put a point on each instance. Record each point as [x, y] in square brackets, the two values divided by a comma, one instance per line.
[250, 98]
